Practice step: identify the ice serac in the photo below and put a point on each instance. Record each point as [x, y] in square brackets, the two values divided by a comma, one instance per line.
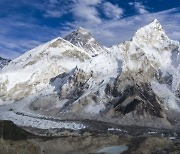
[134, 83]
[84, 39]
[3, 62]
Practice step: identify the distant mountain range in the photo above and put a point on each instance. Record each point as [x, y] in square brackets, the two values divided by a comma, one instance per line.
[133, 83]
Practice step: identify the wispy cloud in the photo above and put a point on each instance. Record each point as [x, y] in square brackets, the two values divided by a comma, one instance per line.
[53, 9]
[86, 11]
[112, 31]
[11, 48]
[140, 8]
[112, 11]
[54, 13]
[104, 19]
[17, 36]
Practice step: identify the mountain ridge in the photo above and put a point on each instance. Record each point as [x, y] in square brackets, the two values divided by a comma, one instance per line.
[85, 40]
[133, 83]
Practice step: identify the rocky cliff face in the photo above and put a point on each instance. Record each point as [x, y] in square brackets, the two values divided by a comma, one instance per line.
[84, 39]
[133, 83]
[3, 62]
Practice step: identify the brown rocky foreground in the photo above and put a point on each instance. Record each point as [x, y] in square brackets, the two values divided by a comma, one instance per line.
[15, 140]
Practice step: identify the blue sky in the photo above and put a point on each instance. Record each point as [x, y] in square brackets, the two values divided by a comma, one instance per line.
[24, 24]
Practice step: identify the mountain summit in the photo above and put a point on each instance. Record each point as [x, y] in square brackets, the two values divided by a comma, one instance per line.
[84, 39]
[152, 33]
[134, 83]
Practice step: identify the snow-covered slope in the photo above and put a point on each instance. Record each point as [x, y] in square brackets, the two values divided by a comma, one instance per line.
[136, 82]
[84, 39]
[32, 71]
[151, 57]
[3, 62]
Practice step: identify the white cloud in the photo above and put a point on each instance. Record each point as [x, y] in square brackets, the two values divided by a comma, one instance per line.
[7, 54]
[131, 3]
[13, 43]
[83, 9]
[112, 11]
[86, 11]
[53, 8]
[110, 32]
[12, 48]
[139, 7]
[54, 13]
[89, 2]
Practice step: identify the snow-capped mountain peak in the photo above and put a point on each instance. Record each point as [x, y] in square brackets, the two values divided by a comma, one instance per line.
[151, 34]
[156, 24]
[85, 40]
[37, 66]
[132, 83]
[149, 48]
[83, 31]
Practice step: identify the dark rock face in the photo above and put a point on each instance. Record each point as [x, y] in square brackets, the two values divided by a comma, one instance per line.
[63, 75]
[177, 92]
[9, 131]
[128, 108]
[84, 39]
[3, 62]
[77, 82]
[112, 88]
[139, 98]
[164, 78]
